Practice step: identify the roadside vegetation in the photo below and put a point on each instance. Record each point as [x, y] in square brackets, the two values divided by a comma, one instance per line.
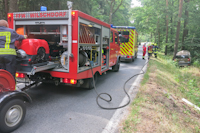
[158, 106]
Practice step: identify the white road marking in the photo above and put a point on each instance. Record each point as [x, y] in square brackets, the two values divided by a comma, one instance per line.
[113, 124]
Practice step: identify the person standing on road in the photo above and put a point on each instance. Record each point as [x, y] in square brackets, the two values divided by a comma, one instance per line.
[155, 50]
[7, 47]
[144, 51]
[150, 51]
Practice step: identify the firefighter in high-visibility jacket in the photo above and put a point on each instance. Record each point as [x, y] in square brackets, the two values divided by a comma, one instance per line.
[155, 50]
[150, 51]
[7, 47]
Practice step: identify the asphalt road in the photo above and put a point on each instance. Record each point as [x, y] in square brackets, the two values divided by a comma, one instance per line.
[64, 109]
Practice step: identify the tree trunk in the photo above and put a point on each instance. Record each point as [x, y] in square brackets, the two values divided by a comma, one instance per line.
[178, 28]
[158, 38]
[13, 6]
[167, 22]
[59, 5]
[185, 31]
[171, 21]
[158, 32]
[6, 6]
[112, 10]
[110, 15]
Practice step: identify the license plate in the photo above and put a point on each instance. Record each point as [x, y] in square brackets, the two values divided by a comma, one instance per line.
[22, 80]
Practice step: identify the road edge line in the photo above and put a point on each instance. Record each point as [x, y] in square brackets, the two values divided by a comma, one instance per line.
[114, 122]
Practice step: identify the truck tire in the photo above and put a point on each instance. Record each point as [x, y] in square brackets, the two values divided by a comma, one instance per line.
[133, 59]
[116, 67]
[12, 115]
[136, 55]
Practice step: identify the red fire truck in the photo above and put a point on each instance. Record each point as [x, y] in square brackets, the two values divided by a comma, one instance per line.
[63, 46]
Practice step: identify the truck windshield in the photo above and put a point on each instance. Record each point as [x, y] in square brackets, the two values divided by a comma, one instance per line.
[124, 36]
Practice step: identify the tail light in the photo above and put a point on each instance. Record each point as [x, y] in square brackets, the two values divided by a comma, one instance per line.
[65, 80]
[72, 81]
[50, 58]
[20, 75]
[73, 14]
[188, 59]
[9, 15]
[128, 56]
[69, 81]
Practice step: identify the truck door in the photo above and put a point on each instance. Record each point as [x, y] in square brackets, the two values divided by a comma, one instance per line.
[112, 42]
[116, 47]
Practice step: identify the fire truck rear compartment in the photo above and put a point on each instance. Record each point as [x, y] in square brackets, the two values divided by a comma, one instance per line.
[55, 52]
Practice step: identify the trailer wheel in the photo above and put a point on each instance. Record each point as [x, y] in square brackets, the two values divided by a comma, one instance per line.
[116, 67]
[12, 115]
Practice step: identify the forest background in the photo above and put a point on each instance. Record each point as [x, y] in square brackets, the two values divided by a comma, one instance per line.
[172, 24]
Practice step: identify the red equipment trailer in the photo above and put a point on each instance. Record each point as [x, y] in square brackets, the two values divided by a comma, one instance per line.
[76, 41]
[12, 103]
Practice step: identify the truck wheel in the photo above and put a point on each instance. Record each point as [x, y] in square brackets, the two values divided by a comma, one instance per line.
[136, 56]
[115, 68]
[12, 115]
[133, 59]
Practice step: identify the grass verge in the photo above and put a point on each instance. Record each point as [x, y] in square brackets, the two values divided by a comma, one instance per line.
[158, 106]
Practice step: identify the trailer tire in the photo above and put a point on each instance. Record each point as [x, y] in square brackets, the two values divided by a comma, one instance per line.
[12, 115]
[116, 67]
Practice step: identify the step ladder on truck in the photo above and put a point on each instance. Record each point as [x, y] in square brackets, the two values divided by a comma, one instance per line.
[62, 47]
